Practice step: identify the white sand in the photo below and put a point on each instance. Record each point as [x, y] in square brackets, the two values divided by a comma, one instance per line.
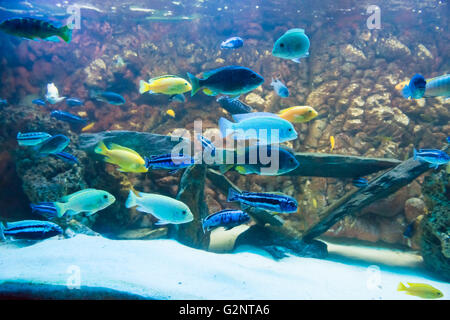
[165, 269]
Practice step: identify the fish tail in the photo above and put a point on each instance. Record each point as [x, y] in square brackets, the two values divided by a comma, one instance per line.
[48, 210]
[401, 287]
[225, 125]
[195, 83]
[131, 200]
[60, 209]
[101, 148]
[143, 87]
[66, 33]
[2, 229]
[233, 195]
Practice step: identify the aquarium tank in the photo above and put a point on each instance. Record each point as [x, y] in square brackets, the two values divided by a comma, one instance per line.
[225, 150]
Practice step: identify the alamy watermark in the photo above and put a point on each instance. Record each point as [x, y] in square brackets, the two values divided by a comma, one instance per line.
[74, 20]
[74, 278]
[374, 20]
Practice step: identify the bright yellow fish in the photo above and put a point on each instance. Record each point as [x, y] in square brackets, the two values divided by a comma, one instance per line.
[171, 113]
[314, 203]
[298, 114]
[127, 159]
[401, 85]
[88, 127]
[421, 290]
[332, 143]
[168, 84]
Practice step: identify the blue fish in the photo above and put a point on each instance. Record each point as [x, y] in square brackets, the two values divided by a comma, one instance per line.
[3, 102]
[74, 102]
[233, 105]
[232, 43]
[409, 231]
[39, 102]
[169, 161]
[178, 97]
[109, 97]
[360, 182]
[68, 117]
[30, 230]
[207, 144]
[53, 145]
[280, 88]
[416, 87]
[448, 139]
[227, 218]
[434, 157]
[66, 157]
[32, 138]
[268, 201]
[46, 209]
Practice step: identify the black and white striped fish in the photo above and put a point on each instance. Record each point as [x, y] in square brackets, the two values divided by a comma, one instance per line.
[30, 230]
[32, 138]
[268, 201]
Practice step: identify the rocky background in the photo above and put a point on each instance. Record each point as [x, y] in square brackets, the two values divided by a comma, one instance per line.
[349, 78]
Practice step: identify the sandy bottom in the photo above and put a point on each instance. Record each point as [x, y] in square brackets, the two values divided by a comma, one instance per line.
[165, 269]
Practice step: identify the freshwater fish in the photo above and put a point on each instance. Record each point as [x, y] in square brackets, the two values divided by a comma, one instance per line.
[171, 113]
[416, 87]
[401, 85]
[74, 102]
[421, 290]
[109, 97]
[258, 125]
[332, 142]
[169, 161]
[233, 105]
[88, 127]
[360, 182]
[298, 114]
[3, 102]
[68, 117]
[438, 87]
[178, 97]
[32, 138]
[232, 43]
[35, 29]
[280, 88]
[230, 80]
[268, 201]
[52, 95]
[207, 144]
[39, 102]
[434, 157]
[29, 230]
[448, 139]
[66, 157]
[88, 201]
[168, 84]
[227, 218]
[127, 159]
[166, 209]
[293, 45]
[54, 144]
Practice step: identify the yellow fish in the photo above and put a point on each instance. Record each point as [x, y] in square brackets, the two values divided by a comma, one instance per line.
[332, 143]
[401, 85]
[315, 203]
[88, 127]
[127, 159]
[168, 84]
[421, 290]
[298, 114]
[171, 113]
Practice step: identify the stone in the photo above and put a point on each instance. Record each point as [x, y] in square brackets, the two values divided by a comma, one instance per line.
[352, 54]
[254, 99]
[391, 48]
[414, 207]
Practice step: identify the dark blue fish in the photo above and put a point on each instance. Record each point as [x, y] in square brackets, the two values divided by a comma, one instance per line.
[360, 182]
[53, 145]
[448, 139]
[207, 144]
[74, 102]
[434, 157]
[66, 157]
[409, 231]
[45, 209]
[169, 161]
[234, 105]
[32, 138]
[232, 43]
[30, 230]
[227, 218]
[110, 97]
[3, 102]
[39, 102]
[416, 87]
[267, 201]
[68, 117]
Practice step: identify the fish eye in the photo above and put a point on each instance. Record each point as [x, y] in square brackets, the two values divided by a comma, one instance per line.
[253, 76]
[289, 129]
[185, 83]
[282, 45]
[105, 197]
[183, 212]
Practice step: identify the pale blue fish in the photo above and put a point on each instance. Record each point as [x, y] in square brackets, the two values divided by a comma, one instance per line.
[232, 43]
[434, 157]
[280, 88]
[32, 138]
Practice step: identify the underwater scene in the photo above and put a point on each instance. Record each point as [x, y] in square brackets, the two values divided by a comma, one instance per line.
[225, 150]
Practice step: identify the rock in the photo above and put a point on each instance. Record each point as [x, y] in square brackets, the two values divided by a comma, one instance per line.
[423, 53]
[255, 100]
[352, 54]
[392, 48]
[315, 133]
[354, 112]
[414, 207]
[143, 234]
[352, 124]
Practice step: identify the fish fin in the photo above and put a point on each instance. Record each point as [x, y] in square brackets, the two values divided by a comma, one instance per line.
[143, 87]
[295, 30]
[147, 162]
[233, 195]
[53, 39]
[114, 146]
[224, 126]
[101, 148]
[244, 116]
[415, 154]
[296, 60]
[225, 168]
[209, 92]
[241, 169]
[287, 109]
[195, 83]
[173, 171]
[161, 223]
[66, 33]
[2, 229]
[401, 287]
[131, 200]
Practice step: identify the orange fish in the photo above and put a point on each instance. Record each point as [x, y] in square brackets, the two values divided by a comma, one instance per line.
[88, 127]
[401, 85]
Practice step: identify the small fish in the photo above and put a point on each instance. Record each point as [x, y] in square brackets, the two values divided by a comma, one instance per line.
[35, 29]
[88, 127]
[52, 95]
[39, 102]
[168, 84]
[298, 114]
[434, 157]
[73, 102]
[227, 218]
[108, 97]
[258, 125]
[207, 144]
[268, 201]
[280, 88]
[409, 231]
[438, 87]
[169, 161]
[30, 230]
[171, 113]
[232, 43]
[314, 203]
[166, 209]
[421, 290]
[448, 139]
[32, 138]
[230, 80]
[234, 105]
[3, 102]
[68, 117]
[54, 144]
[416, 87]
[66, 157]
[293, 45]
[127, 159]
[360, 182]
[87, 200]
[332, 142]
[178, 97]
